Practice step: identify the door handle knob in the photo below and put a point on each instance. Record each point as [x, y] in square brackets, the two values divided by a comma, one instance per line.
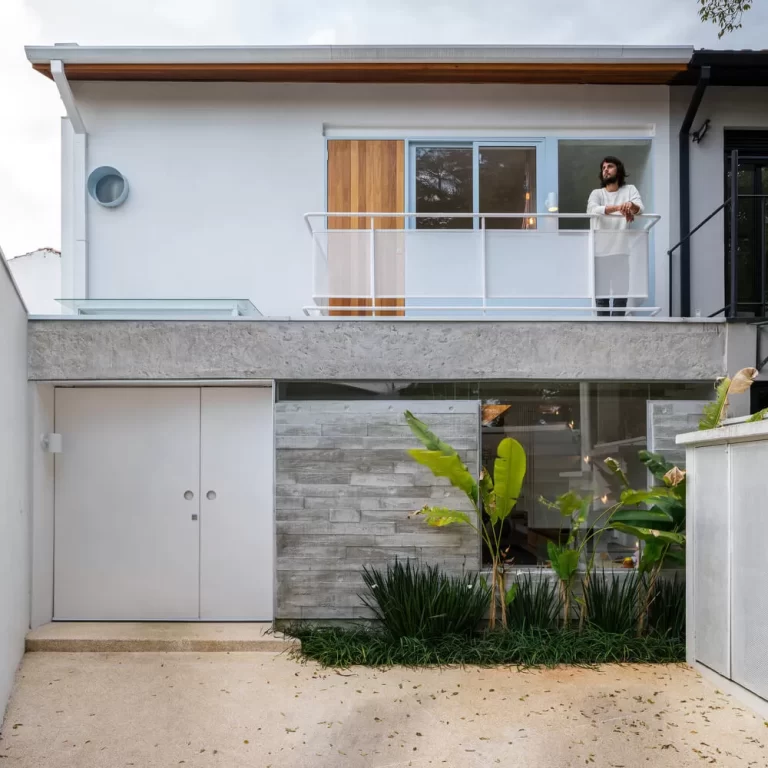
[188, 495]
[211, 495]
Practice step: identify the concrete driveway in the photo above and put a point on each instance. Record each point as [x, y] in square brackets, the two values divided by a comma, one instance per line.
[106, 710]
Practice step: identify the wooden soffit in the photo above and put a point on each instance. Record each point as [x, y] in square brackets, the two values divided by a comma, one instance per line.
[622, 73]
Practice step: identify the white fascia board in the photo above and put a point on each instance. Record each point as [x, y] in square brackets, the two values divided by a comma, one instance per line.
[67, 97]
[319, 54]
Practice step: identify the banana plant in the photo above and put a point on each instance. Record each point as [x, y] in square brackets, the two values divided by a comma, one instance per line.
[660, 525]
[495, 496]
[716, 411]
[565, 557]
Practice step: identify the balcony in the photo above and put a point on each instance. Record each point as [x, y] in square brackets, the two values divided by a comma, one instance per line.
[499, 265]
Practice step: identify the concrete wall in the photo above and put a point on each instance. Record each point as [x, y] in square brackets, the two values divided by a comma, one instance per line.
[403, 350]
[345, 487]
[727, 108]
[221, 174]
[15, 481]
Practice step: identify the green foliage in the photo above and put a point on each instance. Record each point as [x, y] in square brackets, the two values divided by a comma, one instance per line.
[450, 466]
[499, 496]
[713, 412]
[650, 534]
[565, 562]
[725, 14]
[759, 416]
[424, 603]
[617, 471]
[613, 601]
[440, 516]
[536, 604]
[508, 474]
[426, 437]
[667, 609]
[346, 647]
[657, 465]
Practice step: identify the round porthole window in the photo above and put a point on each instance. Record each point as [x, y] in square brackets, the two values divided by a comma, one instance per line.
[107, 186]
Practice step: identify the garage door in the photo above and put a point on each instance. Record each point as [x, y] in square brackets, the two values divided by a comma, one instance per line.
[163, 504]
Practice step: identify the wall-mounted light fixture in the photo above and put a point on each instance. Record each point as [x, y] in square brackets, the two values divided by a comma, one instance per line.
[552, 202]
[107, 186]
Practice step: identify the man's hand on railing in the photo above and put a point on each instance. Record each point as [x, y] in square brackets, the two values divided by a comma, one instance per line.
[627, 210]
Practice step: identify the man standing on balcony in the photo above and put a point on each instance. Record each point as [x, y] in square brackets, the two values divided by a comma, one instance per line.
[616, 203]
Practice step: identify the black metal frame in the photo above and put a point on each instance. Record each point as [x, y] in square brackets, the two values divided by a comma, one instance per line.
[731, 308]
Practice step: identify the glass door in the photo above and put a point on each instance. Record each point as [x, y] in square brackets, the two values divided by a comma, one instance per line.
[472, 178]
[507, 184]
[751, 238]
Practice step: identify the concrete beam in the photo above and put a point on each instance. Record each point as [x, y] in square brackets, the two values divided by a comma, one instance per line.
[61, 350]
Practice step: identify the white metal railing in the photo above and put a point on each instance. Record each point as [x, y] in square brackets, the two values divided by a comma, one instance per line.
[485, 269]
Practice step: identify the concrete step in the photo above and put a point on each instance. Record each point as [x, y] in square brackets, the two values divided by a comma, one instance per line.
[102, 637]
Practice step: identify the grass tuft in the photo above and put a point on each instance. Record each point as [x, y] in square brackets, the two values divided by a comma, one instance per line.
[422, 602]
[536, 604]
[532, 647]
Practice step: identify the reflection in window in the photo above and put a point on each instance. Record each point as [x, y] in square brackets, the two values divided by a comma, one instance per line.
[508, 185]
[444, 185]
[567, 431]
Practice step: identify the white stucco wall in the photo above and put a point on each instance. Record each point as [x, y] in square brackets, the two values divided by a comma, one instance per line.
[38, 275]
[726, 108]
[220, 174]
[14, 483]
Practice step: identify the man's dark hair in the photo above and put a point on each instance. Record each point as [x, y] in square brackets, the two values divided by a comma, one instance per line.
[621, 171]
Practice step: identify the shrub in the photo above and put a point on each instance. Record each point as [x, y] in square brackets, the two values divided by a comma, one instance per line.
[612, 602]
[667, 609]
[345, 647]
[536, 604]
[413, 602]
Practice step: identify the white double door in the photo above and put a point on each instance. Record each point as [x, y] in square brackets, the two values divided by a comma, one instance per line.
[163, 504]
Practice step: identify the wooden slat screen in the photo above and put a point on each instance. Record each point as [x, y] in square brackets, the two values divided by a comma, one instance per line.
[366, 176]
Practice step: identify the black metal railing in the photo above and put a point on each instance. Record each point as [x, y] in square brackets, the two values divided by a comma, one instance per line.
[731, 204]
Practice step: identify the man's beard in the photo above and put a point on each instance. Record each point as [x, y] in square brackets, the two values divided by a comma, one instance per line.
[610, 180]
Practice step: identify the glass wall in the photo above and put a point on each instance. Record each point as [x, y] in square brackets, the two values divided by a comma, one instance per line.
[567, 429]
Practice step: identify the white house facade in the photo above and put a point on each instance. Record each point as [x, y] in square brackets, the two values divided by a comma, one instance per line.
[269, 254]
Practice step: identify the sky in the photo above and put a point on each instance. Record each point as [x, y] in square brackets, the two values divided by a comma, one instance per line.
[30, 108]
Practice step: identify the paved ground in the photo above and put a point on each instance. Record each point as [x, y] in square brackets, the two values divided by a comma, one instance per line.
[260, 709]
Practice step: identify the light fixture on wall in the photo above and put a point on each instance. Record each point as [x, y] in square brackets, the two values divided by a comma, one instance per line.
[552, 202]
[107, 186]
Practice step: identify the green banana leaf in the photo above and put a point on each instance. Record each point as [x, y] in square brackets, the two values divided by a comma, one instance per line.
[641, 517]
[508, 472]
[441, 516]
[426, 437]
[450, 466]
[565, 562]
[651, 496]
[649, 534]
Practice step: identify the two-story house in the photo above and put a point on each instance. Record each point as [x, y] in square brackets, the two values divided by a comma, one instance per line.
[268, 254]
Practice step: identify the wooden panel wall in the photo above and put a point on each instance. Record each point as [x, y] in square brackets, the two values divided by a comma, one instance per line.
[366, 176]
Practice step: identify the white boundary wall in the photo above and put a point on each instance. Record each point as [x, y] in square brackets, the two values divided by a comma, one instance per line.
[727, 569]
[14, 482]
